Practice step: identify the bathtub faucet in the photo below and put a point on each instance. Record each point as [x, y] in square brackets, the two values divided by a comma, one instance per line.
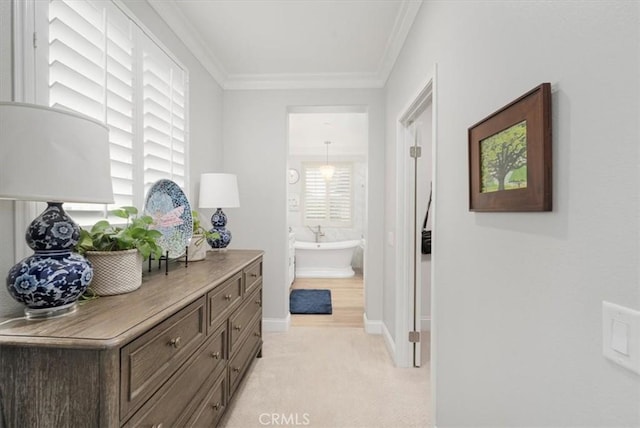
[318, 233]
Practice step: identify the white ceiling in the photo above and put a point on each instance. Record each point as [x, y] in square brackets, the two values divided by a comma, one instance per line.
[281, 44]
[347, 133]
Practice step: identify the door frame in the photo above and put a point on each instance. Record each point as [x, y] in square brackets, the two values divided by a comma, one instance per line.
[427, 93]
[369, 326]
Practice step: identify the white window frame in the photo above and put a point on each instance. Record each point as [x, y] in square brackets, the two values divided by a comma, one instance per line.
[326, 221]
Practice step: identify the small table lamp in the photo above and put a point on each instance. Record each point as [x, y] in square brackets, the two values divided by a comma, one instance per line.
[219, 191]
[52, 156]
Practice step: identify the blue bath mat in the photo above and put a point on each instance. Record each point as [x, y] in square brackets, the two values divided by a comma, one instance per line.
[303, 301]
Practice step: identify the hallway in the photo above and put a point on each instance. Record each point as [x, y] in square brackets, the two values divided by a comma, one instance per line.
[331, 378]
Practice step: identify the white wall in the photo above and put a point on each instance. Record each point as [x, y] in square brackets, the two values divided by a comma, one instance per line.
[205, 105]
[518, 295]
[255, 148]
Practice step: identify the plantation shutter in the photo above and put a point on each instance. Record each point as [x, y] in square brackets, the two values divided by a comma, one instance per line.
[340, 195]
[328, 202]
[91, 71]
[103, 65]
[163, 117]
[120, 107]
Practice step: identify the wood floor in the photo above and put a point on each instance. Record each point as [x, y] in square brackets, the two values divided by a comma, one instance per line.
[347, 300]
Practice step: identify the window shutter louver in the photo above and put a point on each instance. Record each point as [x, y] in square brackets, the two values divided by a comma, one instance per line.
[328, 202]
[163, 111]
[120, 106]
[101, 64]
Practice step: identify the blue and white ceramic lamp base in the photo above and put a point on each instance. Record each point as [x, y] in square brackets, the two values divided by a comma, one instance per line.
[219, 221]
[51, 280]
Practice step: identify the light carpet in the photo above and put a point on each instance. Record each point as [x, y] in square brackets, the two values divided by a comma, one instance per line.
[330, 378]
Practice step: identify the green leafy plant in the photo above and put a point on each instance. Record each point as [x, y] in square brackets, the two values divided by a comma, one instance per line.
[136, 234]
[198, 229]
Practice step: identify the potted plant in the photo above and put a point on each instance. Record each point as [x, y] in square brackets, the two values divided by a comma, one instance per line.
[116, 252]
[198, 243]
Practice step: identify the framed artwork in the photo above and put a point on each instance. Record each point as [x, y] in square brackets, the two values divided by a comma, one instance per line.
[510, 156]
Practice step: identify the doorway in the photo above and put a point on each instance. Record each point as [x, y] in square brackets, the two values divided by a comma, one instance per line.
[328, 209]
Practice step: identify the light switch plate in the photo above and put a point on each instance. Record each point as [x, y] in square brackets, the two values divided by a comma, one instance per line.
[621, 335]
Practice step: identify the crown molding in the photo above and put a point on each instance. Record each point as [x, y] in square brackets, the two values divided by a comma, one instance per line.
[176, 20]
[401, 28]
[303, 81]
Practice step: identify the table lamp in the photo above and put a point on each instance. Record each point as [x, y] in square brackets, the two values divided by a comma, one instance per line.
[219, 191]
[53, 156]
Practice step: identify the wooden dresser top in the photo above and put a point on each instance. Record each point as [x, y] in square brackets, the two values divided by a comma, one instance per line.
[112, 321]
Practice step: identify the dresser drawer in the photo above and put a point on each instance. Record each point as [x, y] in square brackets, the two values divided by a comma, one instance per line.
[215, 351]
[239, 322]
[247, 350]
[252, 277]
[175, 401]
[212, 407]
[152, 358]
[224, 299]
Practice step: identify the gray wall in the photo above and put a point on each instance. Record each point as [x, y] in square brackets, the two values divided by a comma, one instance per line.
[255, 148]
[518, 295]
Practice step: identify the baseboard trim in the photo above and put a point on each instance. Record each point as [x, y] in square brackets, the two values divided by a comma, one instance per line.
[371, 327]
[390, 344]
[276, 324]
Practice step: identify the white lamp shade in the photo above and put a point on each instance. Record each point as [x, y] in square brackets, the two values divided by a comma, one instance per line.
[53, 155]
[218, 191]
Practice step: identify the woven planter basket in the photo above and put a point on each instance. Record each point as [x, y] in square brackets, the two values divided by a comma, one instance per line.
[115, 272]
[197, 248]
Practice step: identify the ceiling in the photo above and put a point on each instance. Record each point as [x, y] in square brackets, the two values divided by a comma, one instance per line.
[346, 131]
[289, 44]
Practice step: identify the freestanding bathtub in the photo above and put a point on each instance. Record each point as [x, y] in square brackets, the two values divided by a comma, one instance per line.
[325, 259]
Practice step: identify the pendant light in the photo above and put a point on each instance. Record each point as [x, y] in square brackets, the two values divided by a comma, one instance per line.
[327, 170]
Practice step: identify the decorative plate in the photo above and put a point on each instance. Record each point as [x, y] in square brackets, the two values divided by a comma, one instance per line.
[167, 204]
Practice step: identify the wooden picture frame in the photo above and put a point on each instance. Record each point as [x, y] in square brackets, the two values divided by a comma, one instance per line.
[510, 156]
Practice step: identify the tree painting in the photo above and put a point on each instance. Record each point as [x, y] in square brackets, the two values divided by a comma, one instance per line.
[503, 158]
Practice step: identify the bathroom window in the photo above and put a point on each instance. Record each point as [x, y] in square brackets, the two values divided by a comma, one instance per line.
[328, 202]
[103, 64]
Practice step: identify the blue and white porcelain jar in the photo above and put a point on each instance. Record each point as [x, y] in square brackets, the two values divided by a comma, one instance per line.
[53, 277]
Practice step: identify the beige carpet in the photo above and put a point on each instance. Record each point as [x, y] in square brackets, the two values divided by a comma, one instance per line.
[330, 378]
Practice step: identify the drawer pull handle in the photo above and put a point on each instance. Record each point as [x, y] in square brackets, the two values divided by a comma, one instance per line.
[253, 275]
[237, 327]
[258, 302]
[175, 342]
[227, 296]
[216, 406]
[215, 355]
[256, 334]
[236, 369]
